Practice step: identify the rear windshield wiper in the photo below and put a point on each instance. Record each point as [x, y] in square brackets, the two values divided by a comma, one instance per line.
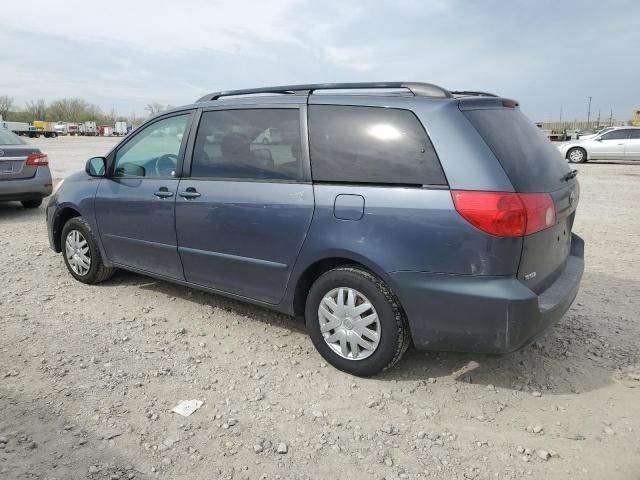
[570, 175]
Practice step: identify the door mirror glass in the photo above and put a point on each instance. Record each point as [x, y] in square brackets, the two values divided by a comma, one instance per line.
[96, 166]
[130, 170]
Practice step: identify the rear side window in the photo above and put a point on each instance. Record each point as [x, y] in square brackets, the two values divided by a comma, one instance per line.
[528, 158]
[253, 144]
[635, 134]
[371, 145]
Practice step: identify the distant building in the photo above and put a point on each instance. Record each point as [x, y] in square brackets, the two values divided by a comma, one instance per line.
[636, 119]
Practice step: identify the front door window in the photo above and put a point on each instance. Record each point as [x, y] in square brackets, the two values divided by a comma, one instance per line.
[153, 152]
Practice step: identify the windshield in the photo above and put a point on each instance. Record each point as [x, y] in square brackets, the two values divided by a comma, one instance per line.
[10, 138]
[605, 130]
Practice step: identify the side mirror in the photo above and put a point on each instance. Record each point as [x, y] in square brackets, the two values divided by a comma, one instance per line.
[96, 167]
[599, 139]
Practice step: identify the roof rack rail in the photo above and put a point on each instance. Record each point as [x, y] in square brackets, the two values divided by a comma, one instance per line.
[416, 88]
[469, 93]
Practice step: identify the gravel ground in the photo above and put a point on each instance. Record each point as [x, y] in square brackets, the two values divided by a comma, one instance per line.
[89, 375]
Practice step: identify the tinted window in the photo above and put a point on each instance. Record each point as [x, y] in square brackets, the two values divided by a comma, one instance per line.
[153, 151]
[528, 158]
[371, 145]
[258, 144]
[634, 134]
[616, 135]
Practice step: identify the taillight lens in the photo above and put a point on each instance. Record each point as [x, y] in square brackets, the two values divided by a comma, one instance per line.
[541, 212]
[505, 214]
[38, 160]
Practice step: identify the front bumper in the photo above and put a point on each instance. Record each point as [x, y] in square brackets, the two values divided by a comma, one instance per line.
[38, 186]
[483, 313]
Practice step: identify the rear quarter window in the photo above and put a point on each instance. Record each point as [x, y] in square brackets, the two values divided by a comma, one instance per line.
[530, 160]
[371, 145]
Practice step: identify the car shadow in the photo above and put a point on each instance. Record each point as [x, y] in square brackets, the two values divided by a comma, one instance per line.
[16, 213]
[226, 304]
[573, 357]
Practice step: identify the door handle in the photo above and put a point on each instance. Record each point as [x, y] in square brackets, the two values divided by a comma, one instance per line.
[163, 192]
[189, 193]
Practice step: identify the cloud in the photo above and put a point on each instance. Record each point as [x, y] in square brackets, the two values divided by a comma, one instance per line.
[545, 54]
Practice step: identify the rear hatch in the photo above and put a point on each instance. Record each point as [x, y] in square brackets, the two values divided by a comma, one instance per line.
[533, 165]
[13, 159]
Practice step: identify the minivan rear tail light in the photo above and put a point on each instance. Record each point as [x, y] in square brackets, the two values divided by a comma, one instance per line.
[505, 214]
[38, 160]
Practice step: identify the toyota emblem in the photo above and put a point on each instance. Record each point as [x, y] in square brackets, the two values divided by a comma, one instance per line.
[1, 153]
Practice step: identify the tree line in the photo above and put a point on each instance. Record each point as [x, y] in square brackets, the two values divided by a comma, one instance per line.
[68, 110]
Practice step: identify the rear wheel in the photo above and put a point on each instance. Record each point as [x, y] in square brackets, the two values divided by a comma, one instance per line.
[81, 253]
[355, 321]
[31, 203]
[577, 155]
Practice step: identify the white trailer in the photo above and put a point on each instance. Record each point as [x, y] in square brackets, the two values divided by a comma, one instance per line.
[120, 129]
[88, 129]
[19, 128]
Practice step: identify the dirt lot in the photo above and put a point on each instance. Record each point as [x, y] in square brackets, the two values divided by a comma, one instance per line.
[88, 376]
[69, 154]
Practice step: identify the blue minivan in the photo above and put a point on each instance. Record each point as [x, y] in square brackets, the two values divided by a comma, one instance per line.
[385, 214]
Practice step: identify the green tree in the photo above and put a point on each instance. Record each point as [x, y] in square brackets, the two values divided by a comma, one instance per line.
[68, 109]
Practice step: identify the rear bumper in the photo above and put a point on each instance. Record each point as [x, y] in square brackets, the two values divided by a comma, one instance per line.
[38, 186]
[484, 314]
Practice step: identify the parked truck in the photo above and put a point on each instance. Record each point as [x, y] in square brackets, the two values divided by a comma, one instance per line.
[61, 128]
[33, 131]
[46, 129]
[88, 129]
[121, 129]
[105, 130]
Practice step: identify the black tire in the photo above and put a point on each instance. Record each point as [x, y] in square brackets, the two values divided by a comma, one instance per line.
[394, 330]
[98, 272]
[577, 155]
[31, 203]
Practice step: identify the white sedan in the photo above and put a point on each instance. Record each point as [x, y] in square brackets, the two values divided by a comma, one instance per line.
[622, 143]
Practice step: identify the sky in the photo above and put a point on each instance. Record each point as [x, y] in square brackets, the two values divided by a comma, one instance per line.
[549, 55]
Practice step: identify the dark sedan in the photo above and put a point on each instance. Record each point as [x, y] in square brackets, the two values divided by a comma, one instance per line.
[24, 171]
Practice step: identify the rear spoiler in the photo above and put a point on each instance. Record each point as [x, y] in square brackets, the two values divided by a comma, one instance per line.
[478, 103]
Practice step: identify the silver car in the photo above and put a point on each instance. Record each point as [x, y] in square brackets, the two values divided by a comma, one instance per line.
[621, 143]
[24, 171]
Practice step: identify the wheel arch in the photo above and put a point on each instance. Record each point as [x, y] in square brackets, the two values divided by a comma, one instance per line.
[63, 215]
[300, 287]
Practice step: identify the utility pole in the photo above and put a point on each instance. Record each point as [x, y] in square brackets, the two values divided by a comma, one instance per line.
[598, 124]
[611, 118]
[589, 113]
[560, 113]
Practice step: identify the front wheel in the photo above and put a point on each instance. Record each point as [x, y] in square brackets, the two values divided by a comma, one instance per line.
[81, 253]
[355, 322]
[577, 155]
